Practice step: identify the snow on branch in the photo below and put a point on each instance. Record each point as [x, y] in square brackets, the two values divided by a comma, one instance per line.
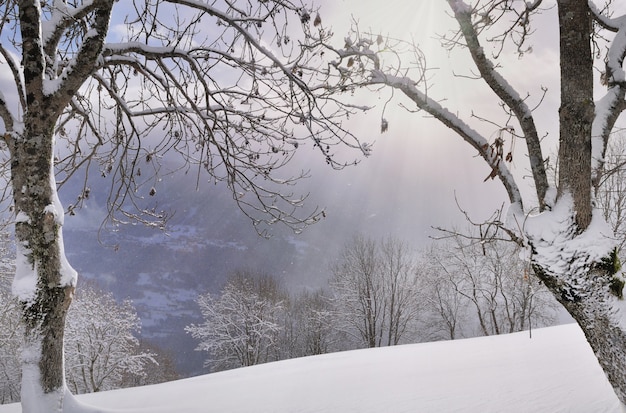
[471, 136]
[565, 255]
[5, 114]
[360, 66]
[612, 104]
[505, 91]
[17, 78]
[607, 22]
[77, 70]
[62, 17]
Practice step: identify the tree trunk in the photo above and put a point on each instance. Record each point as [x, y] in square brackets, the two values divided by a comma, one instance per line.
[44, 281]
[581, 280]
[577, 109]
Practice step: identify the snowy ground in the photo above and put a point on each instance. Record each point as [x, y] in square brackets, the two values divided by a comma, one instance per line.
[554, 371]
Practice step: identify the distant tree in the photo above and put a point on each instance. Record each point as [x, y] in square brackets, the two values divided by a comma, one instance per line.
[11, 330]
[242, 324]
[357, 292]
[160, 371]
[228, 89]
[310, 326]
[445, 309]
[374, 287]
[611, 195]
[490, 281]
[401, 287]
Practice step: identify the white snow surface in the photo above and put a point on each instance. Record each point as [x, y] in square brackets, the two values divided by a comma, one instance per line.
[554, 371]
[561, 252]
[25, 280]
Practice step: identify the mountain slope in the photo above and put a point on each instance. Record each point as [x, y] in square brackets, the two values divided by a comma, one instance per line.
[554, 371]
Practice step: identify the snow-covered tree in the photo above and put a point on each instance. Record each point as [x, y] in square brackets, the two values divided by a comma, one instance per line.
[242, 325]
[10, 328]
[401, 287]
[229, 89]
[572, 248]
[375, 291]
[101, 344]
[162, 371]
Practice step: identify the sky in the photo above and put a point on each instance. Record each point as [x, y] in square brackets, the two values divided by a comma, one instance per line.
[420, 174]
[419, 170]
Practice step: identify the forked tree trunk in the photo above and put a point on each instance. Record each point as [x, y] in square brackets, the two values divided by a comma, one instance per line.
[44, 281]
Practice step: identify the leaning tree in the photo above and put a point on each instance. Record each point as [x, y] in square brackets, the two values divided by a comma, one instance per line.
[129, 90]
[572, 249]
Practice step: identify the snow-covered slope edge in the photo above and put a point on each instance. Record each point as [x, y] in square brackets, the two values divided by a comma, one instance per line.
[554, 371]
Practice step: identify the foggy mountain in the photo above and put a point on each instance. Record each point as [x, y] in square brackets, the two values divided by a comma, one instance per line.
[163, 271]
[400, 190]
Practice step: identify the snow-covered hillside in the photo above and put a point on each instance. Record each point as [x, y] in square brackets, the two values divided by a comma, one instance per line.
[554, 371]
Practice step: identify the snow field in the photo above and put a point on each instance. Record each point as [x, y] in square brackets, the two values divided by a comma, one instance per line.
[555, 371]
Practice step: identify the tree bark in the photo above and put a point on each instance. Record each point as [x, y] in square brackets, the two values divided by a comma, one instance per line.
[583, 286]
[577, 109]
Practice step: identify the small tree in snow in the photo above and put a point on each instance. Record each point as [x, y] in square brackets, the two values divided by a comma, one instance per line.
[102, 350]
[243, 324]
[101, 345]
[309, 327]
[162, 371]
[445, 309]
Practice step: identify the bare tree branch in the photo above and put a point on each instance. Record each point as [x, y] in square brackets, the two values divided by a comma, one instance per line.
[503, 89]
